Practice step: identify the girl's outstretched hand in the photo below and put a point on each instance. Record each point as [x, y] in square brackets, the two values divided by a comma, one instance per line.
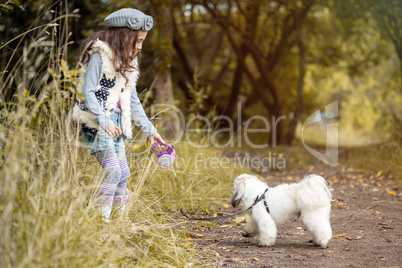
[156, 138]
[113, 131]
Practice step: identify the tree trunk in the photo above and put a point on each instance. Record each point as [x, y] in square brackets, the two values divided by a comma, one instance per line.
[265, 65]
[164, 94]
[234, 94]
[170, 123]
[300, 87]
[252, 12]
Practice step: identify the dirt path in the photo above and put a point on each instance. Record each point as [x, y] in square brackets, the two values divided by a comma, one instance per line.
[366, 217]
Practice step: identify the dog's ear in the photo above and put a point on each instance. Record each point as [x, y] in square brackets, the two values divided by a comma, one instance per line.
[238, 190]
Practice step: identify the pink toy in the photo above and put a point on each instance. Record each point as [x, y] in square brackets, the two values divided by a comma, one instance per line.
[165, 157]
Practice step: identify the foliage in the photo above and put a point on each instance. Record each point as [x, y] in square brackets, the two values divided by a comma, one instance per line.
[213, 38]
[47, 215]
[199, 95]
[48, 218]
[271, 55]
[9, 5]
[381, 16]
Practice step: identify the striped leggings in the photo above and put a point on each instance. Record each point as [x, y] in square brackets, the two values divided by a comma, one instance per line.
[113, 189]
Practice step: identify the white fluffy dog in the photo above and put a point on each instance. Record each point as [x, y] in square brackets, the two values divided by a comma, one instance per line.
[269, 207]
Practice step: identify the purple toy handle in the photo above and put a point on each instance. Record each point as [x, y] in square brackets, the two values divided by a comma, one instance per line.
[169, 150]
[165, 157]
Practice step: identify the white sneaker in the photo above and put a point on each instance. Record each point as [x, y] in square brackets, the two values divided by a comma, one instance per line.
[121, 212]
[106, 212]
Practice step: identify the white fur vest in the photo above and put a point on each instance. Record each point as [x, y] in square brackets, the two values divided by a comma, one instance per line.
[111, 88]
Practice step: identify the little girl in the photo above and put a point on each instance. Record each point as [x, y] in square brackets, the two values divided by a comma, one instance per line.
[109, 87]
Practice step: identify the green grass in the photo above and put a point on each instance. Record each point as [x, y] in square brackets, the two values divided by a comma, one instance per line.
[370, 152]
[47, 213]
[48, 218]
[385, 158]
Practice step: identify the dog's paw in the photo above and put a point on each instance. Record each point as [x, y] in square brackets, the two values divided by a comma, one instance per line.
[266, 241]
[323, 243]
[266, 244]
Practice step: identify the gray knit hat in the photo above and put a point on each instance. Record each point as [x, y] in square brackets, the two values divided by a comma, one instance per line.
[131, 18]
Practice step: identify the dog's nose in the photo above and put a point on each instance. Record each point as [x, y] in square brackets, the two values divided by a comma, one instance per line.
[235, 202]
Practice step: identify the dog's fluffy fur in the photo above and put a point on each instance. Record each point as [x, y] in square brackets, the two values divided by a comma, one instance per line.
[310, 199]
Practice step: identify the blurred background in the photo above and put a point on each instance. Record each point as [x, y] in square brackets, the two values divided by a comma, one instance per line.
[276, 59]
[234, 58]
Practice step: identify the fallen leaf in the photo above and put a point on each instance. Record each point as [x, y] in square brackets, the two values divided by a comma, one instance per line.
[256, 259]
[226, 206]
[392, 192]
[239, 261]
[339, 236]
[330, 251]
[356, 237]
[261, 178]
[189, 244]
[383, 259]
[191, 236]
[242, 219]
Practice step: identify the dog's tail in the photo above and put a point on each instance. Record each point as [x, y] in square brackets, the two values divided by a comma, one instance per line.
[313, 192]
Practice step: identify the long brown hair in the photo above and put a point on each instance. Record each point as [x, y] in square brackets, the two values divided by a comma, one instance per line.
[122, 42]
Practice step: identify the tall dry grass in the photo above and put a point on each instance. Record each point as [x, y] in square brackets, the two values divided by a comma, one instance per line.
[47, 178]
